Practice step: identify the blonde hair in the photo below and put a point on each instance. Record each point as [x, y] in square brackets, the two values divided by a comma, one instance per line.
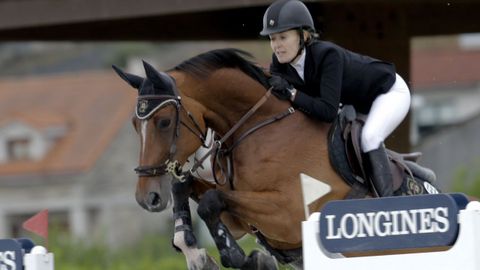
[309, 35]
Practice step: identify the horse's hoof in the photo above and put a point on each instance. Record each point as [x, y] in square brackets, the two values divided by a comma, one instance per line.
[259, 260]
[210, 264]
[203, 262]
[232, 257]
[266, 261]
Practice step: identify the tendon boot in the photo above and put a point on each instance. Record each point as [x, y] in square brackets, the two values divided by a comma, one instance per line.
[380, 173]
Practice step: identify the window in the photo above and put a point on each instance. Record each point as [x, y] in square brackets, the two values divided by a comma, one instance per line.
[18, 149]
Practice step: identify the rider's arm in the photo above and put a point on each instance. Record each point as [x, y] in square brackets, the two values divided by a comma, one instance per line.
[324, 107]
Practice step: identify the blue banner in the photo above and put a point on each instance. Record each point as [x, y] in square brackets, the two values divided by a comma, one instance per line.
[390, 223]
[11, 255]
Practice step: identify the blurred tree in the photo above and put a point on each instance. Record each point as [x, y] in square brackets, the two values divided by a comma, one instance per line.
[467, 179]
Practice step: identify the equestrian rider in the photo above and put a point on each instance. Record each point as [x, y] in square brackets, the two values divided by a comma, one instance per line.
[317, 76]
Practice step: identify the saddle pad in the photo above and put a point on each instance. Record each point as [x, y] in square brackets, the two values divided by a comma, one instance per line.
[338, 154]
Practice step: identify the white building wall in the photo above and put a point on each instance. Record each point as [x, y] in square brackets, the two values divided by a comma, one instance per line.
[99, 203]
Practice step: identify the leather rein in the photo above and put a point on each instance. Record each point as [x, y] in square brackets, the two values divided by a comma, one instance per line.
[173, 167]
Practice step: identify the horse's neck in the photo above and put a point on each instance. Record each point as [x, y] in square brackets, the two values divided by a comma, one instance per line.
[226, 96]
[230, 95]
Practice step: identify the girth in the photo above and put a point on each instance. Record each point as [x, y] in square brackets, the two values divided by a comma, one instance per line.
[283, 256]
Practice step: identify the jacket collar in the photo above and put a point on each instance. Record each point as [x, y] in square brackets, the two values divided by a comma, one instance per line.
[299, 66]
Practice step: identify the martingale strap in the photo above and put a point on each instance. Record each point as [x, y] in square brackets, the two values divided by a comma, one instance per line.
[218, 144]
[275, 118]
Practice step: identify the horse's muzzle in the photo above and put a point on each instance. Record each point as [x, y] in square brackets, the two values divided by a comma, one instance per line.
[153, 202]
[154, 193]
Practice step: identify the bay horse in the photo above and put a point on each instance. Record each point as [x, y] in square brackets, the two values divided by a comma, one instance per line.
[260, 153]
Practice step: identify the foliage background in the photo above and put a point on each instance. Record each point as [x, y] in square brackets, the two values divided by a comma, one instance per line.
[152, 252]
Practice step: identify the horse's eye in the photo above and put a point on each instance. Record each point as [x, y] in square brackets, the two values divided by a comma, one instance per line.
[163, 123]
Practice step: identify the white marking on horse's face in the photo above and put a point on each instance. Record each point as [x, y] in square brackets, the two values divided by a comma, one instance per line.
[143, 133]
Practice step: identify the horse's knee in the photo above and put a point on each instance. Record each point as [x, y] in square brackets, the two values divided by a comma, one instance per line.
[181, 189]
[211, 205]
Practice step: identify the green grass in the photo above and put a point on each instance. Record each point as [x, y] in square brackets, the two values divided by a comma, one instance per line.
[152, 252]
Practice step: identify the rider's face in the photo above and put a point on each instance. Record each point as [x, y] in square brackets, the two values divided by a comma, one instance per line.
[285, 45]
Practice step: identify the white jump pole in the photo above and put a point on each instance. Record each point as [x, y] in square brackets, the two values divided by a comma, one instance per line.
[38, 259]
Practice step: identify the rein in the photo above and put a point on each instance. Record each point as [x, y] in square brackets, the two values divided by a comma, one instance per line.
[174, 167]
[219, 143]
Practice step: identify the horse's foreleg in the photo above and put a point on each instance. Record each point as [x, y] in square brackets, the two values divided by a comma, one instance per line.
[276, 215]
[209, 209]
[184, 239]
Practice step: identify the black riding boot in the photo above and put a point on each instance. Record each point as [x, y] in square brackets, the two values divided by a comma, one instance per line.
[380, 172]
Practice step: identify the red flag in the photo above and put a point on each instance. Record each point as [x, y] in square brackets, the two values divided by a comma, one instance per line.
[38, 224]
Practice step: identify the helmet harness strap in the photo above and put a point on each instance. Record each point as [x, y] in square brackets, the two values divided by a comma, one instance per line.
[302, 43]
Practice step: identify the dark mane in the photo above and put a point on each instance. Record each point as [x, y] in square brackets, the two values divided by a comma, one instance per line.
[204, 64]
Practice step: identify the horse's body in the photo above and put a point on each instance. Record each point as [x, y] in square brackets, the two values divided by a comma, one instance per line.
[218, 88]
[267, 164]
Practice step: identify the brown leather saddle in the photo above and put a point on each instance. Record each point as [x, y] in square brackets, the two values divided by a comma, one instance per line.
[347, 159]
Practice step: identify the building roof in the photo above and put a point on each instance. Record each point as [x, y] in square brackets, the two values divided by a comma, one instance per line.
[36, 119]
[94, 105]
[452, 68]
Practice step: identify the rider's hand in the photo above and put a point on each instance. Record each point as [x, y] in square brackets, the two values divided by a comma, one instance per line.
[280, 87]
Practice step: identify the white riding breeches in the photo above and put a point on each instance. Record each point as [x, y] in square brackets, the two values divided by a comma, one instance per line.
[387, 112]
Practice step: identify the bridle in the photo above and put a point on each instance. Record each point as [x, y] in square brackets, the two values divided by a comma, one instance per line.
[170, 166]
[173, 167]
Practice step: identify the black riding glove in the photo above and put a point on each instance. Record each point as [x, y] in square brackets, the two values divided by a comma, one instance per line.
[281, 88]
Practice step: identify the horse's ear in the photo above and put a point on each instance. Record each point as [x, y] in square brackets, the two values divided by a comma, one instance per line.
[152, 74]
[159, 79]
[134, 80]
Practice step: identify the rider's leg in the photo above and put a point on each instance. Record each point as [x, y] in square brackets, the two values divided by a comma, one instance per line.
[387, 112]
[380, 172]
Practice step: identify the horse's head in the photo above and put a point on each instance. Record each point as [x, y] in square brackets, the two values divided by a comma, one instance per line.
[159, 120]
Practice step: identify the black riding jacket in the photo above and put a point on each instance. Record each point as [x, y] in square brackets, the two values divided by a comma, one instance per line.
[335, 75]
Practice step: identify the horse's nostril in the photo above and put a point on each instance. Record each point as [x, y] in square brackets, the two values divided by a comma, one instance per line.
[153, 199]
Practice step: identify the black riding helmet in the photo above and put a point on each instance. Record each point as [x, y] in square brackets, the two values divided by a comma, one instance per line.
[284, 15]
